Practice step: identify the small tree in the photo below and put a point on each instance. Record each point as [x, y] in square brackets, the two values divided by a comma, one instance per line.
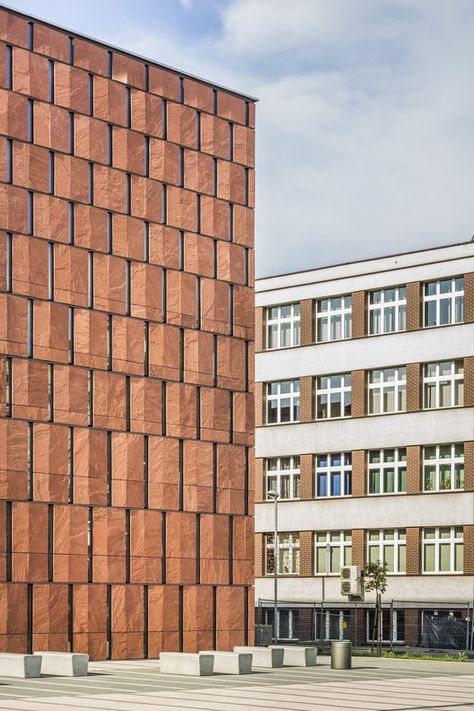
[375, 580]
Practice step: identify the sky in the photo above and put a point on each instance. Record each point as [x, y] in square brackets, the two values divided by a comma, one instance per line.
[365, 120]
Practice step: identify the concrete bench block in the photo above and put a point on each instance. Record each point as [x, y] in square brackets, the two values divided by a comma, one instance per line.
[184, 663]
[263, 656]
[64, 663]
[294, 656]
[20, 665]
[231, 662]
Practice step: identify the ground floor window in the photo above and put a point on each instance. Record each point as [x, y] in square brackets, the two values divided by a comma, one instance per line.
[332, 624]
[287, 622]
[392, 631]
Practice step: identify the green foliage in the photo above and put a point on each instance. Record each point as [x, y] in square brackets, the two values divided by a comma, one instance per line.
[375, 577]
[461, 656]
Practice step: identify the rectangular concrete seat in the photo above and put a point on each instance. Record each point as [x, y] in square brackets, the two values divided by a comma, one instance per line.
[294, 656]
[185, 663]
[231, 662]
[20, 665]
[64, 663]
[263, 656]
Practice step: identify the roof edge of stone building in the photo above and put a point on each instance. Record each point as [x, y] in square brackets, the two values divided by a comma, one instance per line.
[147, 60]
[339, 269]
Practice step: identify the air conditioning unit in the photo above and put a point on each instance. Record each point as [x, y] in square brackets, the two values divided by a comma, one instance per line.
[351, 581]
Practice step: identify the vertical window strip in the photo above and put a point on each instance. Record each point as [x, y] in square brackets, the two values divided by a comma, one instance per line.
[214, 259]
[90, 399]
[109, 233]
[110, 142]
[9, 67]
[214, 102]
[128, 106]
[198, 412]
[214, 360]
[146, 471]
[247, 114]
[70, 618]
[214, 616]
[214, 177]
[181, 167]
[90, 279]
[181, 90]
[231, 141]
[163, 547]
[231, 550]
[71, 132]
[180, 618]
[127, 403]
[181, 474]
[127, 546]
[70, 465]
[51, 392]
[214, 477]
[71, 222]
[30, 121]
[9, 386]
[9, 171]
[146, 79]
[9, 537]
[29, 618]
[231, 309]
[198, 130]
[146, 155]
[128, 195]
[146, 348]
[51, 172]
[50, 542]
[231, 222]
[109, 622]
[90, 542]
[30, 36]
[91, 183]
[198, 549]
[51, 271]
[90, 88]
[198, 302]
[71, 50]
[246, 480]
[109, 468]
[9, 264]
[30, 462]
[181, 250]
[30, 213]
[198, 212]
[181, 355]
[110, 61]
[164, 204]
[164, 106]
[71, 334]
[164, 304]
[128, 287]
[51, 81]
[246, 187]
[29, 327]
[246, 266]
[231, 417]
[145, 622]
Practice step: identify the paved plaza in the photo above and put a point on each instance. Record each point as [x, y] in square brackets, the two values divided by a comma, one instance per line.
[375, 684]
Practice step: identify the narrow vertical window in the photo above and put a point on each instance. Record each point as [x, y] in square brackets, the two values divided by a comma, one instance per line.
[50, 81]
[146, 155]
[247, 114]
[128, 286]
[110, 61]
[181, 90]
[181, 167]
[31, 130]
[231, 222]
[9, 170]
[51, 173]
[214, 259]
[246, 266]
[50, 542]
[231, 417]
[163, 555]
[9, 386]
[146, 348]
[214, 360]
[30, 36]
[91, 94]
[90, 541]
[91, 183]
[127, 403]
[71, 132]
[164, 204]
[50, 392]
[214, 477]
[109, 232]
[71, 50]
[163, 409]
[198, 301]
[109, 466]
[71, 222]
[110, 341]
[198, 130]
[146, 80]
[181, 250]
[9, 265]
[29, 328]
[90, 401]
[246, 186]
[164, 295]
[71, 334]
[145, 471]
[181, 355]
[231, 309]
[29, 463]
[146, 241]
[127, 545]
[90, 280]
[164, 107]
[230, 549]
[128, 106]
[9, 67]
[214, 102]
[214, 177]
[9, 531]
[198, 549]
[231, 141]
[128, 196]
[51, 271]
[30, 212]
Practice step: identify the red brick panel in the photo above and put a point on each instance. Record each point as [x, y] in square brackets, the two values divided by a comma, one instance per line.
[109, 188]
[181, 299]
[13, 209]
[145, 546]
[109, 400]
[164, 161]
[214, 552]
[13, 28]
[109, 101]
[71, 178]
[215, 306]
[164, 246]
[469, 550]
[89, 624]
[146, 198]
[90, 466]
[90, 139]
[30, 267]
[13, 622]
[29, 544]
[164, 83]
[230, 479]
[30, 74]
[71, 396]
[108, 545]
[230, 617]
[244, 418]
[13, 115]
[127, 621]
[147, 289]
[13, 325]
[90, 227]
[50, 331]
[230, 363]
[413, 551]
[49, 41]
[127, 469]
[215, 136]
[164, 348]
[128, 150]
[13, 459]
[90, 339]
[128, 70]
[146, 406]
[197, 618]
[182, 208]
[180, 548]
[50, 463]
[244, 550]
[244, 312]
[70, 275]
[30, 390]
[50, 610]
[198, 476]
[198, 254]
[51, 126]
[163, 619]
[30, 167]
[198, 357]
[51, 217]
[181, 407]
[163, 473]
[70, 544]
[215, 217]
[215, 414]
[147, 113]
[71, 88]
[198, 95]
[182, 125]
[127, 345]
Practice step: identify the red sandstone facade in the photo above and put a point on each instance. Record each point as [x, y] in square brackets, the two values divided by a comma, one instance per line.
[126, 341]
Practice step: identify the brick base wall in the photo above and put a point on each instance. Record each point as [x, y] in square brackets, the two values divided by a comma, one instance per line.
[414, 469]
[306, 477]
[413, 551]
[307, 322]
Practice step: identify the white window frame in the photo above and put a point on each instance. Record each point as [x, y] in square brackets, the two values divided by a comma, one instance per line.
[293, 395]
[331, 314]
[294, 320]
[329, 390]
[286, 542]
[385, 611]
[293, 473]
[399, 304]
[437, 541]
[438, 379]
[325, 621]
[438, 297]
[438, 462]
[399, 385]
[329, 469]
[397, 465]
[398, 541]
[343, 544]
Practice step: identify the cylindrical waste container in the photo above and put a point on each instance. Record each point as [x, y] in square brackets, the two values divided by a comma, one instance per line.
[341, 655]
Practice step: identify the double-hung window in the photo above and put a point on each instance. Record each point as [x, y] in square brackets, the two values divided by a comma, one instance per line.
[334, 474]
[283, 326]
[387, 310]
[387, 390]
[443, 467]
[283, 476]
[443, 384]
[443, 550]
[332, 549]
[444, 302]
[334, 318]
[288, 554]
[387, 469]
[334, 396]
[283, 401]
[388, 546]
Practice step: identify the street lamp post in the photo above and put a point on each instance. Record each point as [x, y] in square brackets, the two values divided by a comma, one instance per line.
[275, 496]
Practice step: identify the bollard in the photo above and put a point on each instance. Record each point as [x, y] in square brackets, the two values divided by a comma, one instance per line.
[341, 655]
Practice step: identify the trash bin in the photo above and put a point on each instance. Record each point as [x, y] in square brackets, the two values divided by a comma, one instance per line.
[341, 655]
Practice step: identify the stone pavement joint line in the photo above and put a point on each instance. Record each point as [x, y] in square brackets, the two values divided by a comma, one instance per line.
[372, 685]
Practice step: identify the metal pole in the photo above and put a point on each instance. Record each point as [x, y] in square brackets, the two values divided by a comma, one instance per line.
[275, 574]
